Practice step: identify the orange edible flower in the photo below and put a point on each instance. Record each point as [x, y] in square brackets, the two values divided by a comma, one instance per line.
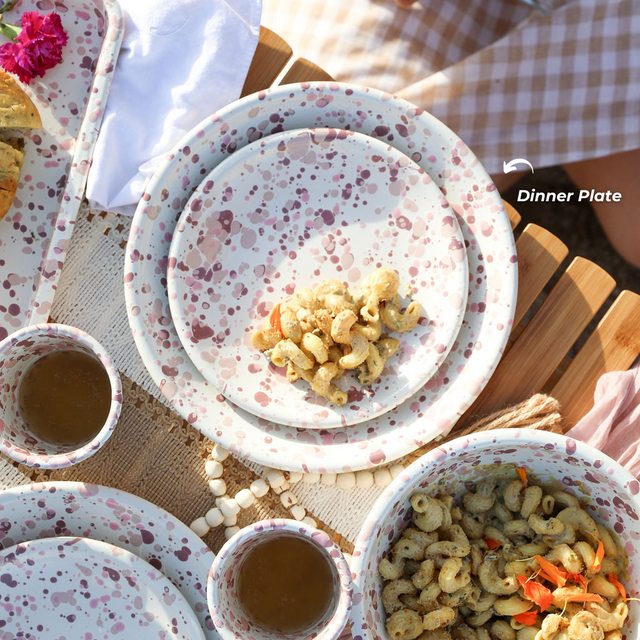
[613, 579]
[492, 544]
[274, 319]
[528, 617]
[579, 578]
[583, 597]
[552, 573]
[597, 563]
[523, 475]
[536, 592]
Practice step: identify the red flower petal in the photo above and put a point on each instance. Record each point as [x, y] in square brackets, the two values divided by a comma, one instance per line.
[536, 592]
[552, 573]
[528, 617]
[492, 544]
[613, 579]
[522, 472]
[597, 563]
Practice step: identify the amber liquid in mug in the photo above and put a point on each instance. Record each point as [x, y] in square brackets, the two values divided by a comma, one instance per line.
[285, 584]
[64, 397]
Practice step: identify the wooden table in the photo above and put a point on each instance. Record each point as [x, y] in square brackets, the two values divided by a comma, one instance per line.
[536, 357]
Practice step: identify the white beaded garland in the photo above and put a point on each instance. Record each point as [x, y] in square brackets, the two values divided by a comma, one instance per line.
[220, 499]
[213, 468]
[218, 486]
[288, 499]
[396, 470]
[298, 512]
[364, 479]
[329, 478]
[275, 478]
[200, 527]
[311, 478]
[259, 488]
[229, 507]
[382, 477]
[295, 476]
[310, 521]
[245, 498]
[219, 453]
[214, 517]
[346, 480]
[229, 532]
[281, 488]
[231, 521]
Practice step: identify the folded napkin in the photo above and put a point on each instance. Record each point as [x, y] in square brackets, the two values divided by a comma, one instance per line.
[613, 425]
[181, 60]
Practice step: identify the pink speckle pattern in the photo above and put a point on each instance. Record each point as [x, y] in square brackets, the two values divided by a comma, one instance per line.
[605, 489]
[51, 509]
[17, 353]
[225, 608]
[488, 316]
[91, 590]
[35, 234]
[244, 243]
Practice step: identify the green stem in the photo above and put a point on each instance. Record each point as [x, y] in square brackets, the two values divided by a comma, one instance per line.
[8, 5]
[9, 30]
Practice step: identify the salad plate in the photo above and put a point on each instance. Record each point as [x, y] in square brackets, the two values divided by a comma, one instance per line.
[351, 204]
[89, 589]
[52, 509]
[489, 243]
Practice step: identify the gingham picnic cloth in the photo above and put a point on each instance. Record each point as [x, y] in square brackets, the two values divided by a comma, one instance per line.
[510, 81]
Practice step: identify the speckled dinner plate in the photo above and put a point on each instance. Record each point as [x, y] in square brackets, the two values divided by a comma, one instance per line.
[50, 509]
[82, 588]
[294, 210]
[489, 242]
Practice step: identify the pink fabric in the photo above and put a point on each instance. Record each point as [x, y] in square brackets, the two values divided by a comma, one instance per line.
[613, 425]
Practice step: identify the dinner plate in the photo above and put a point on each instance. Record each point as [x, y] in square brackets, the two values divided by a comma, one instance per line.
[430, 412]
[84, 588]
[50, 509]
[292, 211]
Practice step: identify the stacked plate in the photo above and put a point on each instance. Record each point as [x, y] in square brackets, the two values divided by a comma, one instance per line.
[95, 562]
[286, 189]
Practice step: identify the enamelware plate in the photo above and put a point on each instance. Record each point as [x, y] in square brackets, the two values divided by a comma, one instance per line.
[50, 509]
[82, 588]
[292, 211]
[489, 242]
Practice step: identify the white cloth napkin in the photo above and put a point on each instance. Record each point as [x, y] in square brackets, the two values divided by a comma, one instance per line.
[181, 60]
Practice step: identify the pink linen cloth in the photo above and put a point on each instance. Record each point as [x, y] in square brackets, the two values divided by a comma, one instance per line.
[613, 425]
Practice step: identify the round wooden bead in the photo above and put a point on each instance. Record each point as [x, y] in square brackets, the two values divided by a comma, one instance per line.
[310, 521]
[364, 479]
[259, 488]
[288, 499]
[219, 453]
[220, 499]
[245, 498]
[213, 468]
[396, 470]
[275, 478]
[214, 517]
[328, 478]
[311, 478]
[382, 477]
[231, 521]
[295, 476]
[348, 557]
[218, 486]
[282, 488]
[200, 527]
[229, 532]
[346, 480]
[298, 511]
[229, 507]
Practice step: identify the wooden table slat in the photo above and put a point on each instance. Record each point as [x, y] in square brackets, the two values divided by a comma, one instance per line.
[303, 70]
[613, 346]
[514, 216]
[270, 58]
[564, 314]
[539, 256]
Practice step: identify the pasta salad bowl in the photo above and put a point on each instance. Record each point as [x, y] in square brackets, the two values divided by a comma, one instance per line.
[604, 490]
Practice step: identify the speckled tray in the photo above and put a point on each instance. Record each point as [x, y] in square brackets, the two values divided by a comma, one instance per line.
[35, 234]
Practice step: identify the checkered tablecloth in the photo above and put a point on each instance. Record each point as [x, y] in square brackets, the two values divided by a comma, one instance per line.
[510, 81]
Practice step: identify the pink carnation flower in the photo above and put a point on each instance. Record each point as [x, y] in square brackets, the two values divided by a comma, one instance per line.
[37, 48]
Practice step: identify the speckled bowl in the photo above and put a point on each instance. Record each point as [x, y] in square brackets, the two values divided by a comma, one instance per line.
[230, 620]
[18, 352]
[608, 492]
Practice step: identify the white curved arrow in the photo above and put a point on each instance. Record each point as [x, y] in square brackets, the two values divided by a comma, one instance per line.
[510, 166]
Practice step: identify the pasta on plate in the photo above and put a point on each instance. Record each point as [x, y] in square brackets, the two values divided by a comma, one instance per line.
[320, 333]
[507, 561]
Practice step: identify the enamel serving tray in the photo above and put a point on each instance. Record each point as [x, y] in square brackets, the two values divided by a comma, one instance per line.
[35, 233]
